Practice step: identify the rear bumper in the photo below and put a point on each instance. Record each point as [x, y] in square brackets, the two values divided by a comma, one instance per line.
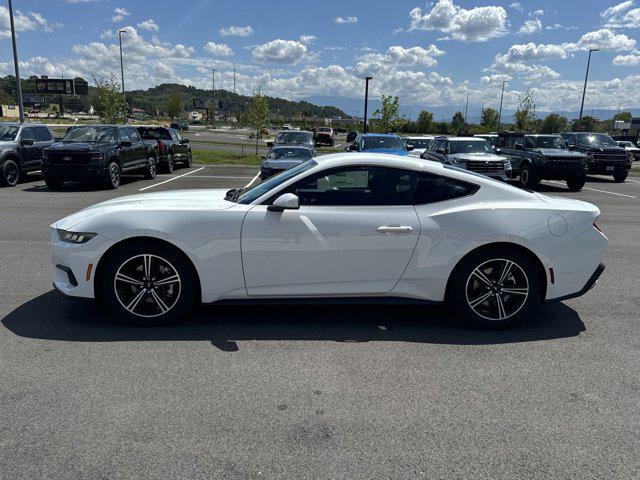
[588, 286]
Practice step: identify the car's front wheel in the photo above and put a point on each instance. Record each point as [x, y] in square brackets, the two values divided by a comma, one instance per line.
[113, 175]
[150, 169]
[189, 161]
[576, 184]
[527, 177]
[620, 177]
[53, 183]
[169, 165]
[148, 283]
[9, 173]
[494, 288]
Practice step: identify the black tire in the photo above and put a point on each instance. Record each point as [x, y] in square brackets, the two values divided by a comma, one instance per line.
[169, 165]
[576, 184]
[9, 173]
[620, 177]
[467, 287]
[113, 175]
[189, 161]
[150, 169]
[528, 178]
[53, 183]
[119, 295]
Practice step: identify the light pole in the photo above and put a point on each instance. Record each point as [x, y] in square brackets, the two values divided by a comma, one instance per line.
[466, 109]
[15, 63]
[501, 98]
[586, 77]
[120, 32]
[213, 91]
[366, 101]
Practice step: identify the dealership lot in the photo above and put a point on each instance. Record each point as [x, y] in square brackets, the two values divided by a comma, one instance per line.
[270, 391]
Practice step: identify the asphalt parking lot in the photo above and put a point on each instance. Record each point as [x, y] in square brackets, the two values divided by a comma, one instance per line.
[358, 392]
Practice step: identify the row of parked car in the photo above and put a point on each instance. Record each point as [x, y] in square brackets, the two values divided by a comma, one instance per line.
[89, 153]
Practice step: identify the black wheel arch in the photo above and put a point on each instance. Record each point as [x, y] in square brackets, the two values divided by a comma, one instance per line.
[504, 246]
[97, 276]
[11, 155]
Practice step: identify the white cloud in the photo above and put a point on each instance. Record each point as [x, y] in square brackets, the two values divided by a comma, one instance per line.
[308, 39]
[477, 24]
[631, 60]
[30, 21]
[531, 51]
[280, 51]
[621, 15]
[118, 14]
[236, 31]
[530, 27]
[490, 79]
[396, 56]
[346, 20]
[149, 25]
[218, 49]
[604, 39]
[517, 6]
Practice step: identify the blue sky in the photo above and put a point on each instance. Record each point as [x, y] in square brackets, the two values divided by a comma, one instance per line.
[428, 53]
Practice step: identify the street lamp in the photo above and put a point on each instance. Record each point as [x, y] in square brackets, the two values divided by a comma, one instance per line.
[466, 108]
[586, 77]
[15, 63]
[120, 32]
[501, 98]
[366, 100]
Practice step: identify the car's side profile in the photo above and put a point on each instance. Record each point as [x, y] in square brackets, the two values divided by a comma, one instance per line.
[344, 225]
[166, 146]
[21, 148]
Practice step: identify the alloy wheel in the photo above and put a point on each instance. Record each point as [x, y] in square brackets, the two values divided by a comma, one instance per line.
[11, 173]
[147, 285]
[114, 175]
[497, 289]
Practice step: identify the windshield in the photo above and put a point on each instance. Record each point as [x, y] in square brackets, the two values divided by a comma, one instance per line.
[596, 139]
[469, 146]
[324, 130]
[489, 138]
[91, 134]
[378, 143]
[419, 142]
[8, 132]
[551, 141]
[284, 153]
[294, 137]
[248, 196]
[154, 133]
[626, 144]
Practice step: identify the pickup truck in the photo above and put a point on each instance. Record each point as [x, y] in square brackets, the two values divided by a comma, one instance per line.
[96, 153]
[324, 136]
[604, 156]
[166, 146]
[21, 150]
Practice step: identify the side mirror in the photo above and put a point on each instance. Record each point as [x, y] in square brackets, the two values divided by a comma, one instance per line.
[440, 151]
[410, 147]
[519, 146]
[269, 144]
[184, 140]
[287, 201]
[572, 146]
[353, 147]
[498, 150]
[125, 144]
[27, 142]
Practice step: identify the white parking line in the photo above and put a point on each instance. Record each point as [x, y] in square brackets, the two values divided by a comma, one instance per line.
[596, 190]
[252, 180]
[218, 176]
[171, 179]
[632, 181]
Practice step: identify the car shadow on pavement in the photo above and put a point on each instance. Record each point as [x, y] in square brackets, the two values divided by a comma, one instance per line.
[52, 317]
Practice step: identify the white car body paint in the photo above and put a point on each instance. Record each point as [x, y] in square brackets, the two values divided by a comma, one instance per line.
[246, 251]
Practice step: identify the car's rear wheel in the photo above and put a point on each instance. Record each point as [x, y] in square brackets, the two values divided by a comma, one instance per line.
[169, 165]
[528, 178]
[576, 184]
[148, 283]
[150, 169]
[9, 173]
[620, 177]
[494, 288]
[113, 175]
[189, 161]
[53, 183]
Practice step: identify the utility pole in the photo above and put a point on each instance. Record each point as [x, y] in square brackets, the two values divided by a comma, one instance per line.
[586, 77]
[213, 102]
[501, 98]
[120, 32]
[366, 101]
[466, 108]
[234, 80]
[15, 64]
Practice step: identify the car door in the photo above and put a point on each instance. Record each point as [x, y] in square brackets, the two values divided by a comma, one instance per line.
[44, 139]
[138, 149]
[436, 156]
[354, 233]
[30, 153]
[180, 149]
[125, 148]
[515, 155]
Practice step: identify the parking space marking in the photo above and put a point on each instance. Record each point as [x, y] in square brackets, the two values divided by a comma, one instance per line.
[596, 190]
[170, 179]
[632, 181]
[252, 180]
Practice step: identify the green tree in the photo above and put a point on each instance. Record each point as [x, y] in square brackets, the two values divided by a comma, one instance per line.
[622, 116]
[525, 115]
[489, 119]
[174, 105]
[553, 123]
[425, 122]
[108, 101]
[258, 114]
[586, 124]
[457, 123]
[390, 119]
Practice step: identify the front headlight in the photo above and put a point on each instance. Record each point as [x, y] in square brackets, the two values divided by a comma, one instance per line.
[75, 237]
[507, 165]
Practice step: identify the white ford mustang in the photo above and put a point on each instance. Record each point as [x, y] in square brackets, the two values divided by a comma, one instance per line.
[344, 225]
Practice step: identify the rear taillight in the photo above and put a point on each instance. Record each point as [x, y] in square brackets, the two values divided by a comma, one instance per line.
[160, 146]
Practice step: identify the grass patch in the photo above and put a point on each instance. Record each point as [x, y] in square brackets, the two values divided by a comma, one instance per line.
[215, 157]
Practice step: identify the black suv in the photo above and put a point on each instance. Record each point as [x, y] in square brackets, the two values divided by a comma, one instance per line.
[21, 150]
[536, 157]
[166, 146]
[604, 156]
[97, 153]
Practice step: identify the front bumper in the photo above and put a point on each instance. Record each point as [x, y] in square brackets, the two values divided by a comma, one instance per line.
[608, 168]
[561, 171]
[90, 171]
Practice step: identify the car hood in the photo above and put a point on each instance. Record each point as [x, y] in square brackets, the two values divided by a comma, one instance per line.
[389, 151]
[606, 149]
[557, 152]
[203, 200]
[78, 147]
[8, 144]
[283, 163]
[483, 157]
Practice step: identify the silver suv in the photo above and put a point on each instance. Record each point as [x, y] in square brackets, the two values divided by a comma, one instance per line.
[471, 153]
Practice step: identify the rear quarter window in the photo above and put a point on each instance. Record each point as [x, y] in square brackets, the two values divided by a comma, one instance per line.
[43, 134]
[432, 189]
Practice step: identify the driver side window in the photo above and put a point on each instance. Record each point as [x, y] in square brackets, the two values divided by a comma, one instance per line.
[122, 135]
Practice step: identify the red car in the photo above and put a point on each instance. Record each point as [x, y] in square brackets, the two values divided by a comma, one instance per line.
[324, 136]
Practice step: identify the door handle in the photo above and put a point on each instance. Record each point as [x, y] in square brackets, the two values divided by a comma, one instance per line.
[394, 229]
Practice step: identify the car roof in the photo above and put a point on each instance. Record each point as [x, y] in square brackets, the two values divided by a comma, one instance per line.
[466, 139]
[301, 147]
[18, 124]
[390, 135]
[294, 131]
